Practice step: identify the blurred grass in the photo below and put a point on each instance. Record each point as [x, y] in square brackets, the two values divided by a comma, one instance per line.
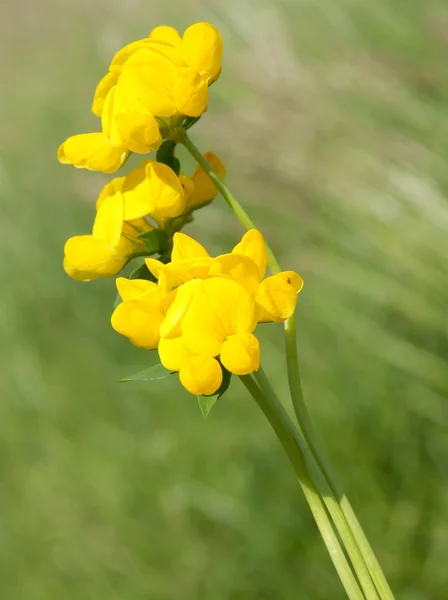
[333, 122]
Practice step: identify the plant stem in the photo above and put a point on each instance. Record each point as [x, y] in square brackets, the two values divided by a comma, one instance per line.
[327, 495]
[296, 389]
[318, 452]
[239, 211]
[281, 424]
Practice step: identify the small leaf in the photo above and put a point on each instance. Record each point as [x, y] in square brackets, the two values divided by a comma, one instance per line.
[157, 371]
[206, 403]
[142, 272]
[165, 155]
[189, 122]
[155, 241]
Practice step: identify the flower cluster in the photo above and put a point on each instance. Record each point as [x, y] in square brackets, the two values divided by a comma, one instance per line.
[154, 88]
[199, 312]
[202, 312]
[125, 205]
[151, 87]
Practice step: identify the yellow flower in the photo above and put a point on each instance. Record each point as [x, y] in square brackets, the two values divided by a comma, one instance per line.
[112, 242]
[101, 151]
[140, 315]
[154, 189]
[209, 319]
[159, 35]
[202, 49]
[204, 190]
[275, 296]
[189, 260]
[164, 77]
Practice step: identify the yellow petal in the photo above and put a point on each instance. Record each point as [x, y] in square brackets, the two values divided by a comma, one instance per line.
[137, 131]
[173, 353]
[202, 49]
[190, 92]
[185, 247]
[110, 189]
[137, 195]
[155, 266]
[102, 89]
[123, 55]
[277, 296]
[88, 258]
[171, 326]
[238, 267]
[188, 187]
[201, 375]
[218, 308]
[134, 289]
[109, 220]
[136, 226]
[164, 33]
[240, 354]
[204, 189]
[146, 83]
[165, 191]
[92, 151]
[136, 322]
[108, 123]
[253, 246]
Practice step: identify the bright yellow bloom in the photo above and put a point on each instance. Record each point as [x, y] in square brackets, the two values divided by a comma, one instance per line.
[96, 151]
[189, 260]
[164, 77]
[161, 76]
[202, 49]
[154, 189]
[208, 319]
[207, 309]
[275, 296]
[204, 190]
[140, 315]
[112, 242]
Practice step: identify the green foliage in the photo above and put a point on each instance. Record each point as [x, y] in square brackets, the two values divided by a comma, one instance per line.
[152, 373]
[206, 403]
[155, 241]
[165, 155]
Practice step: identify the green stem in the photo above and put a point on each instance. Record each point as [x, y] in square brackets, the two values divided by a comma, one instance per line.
[281, 424]
[327, 495]
[296, 390]
[318, 452]
[239, 211]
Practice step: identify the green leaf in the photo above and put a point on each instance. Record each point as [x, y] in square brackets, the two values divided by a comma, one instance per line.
[157, 371]
[155, 241]
[165, 155]
[206, 403]
[142, 272]
[189, 122]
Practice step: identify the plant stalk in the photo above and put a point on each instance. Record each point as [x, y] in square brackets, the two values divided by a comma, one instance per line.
[283, 428]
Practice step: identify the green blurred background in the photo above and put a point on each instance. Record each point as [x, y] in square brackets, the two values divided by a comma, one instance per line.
[332, 119]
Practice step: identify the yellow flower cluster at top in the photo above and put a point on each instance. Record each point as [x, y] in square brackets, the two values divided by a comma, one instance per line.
[154, 88]
[202, 312]
[199, 312]
[151, 86]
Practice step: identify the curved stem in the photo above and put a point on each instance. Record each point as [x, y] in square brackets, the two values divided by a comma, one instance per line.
[239, 211]
[296, 389]
[331, 502]
[281, 424]
[311, 438]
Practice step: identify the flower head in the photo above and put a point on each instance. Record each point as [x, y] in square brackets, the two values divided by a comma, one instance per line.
[211, 307]
[111, 244]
